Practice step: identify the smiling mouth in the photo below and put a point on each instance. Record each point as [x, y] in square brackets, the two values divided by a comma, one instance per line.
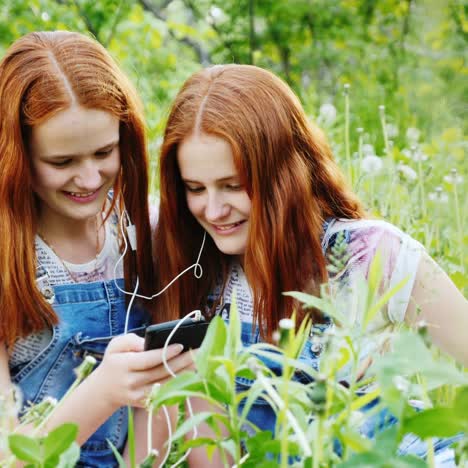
[81, 194]
[227, 227]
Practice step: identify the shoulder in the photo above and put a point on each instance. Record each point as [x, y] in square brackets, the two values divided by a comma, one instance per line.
[364, 237]
[354, 244]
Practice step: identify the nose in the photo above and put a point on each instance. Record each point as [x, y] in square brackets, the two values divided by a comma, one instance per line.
[88, 176]
[216, 207]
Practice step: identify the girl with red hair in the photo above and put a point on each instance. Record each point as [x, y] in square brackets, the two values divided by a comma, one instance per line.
[73, 162]
[241, 162]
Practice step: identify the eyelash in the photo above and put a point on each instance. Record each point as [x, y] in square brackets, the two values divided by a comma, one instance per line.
[101, 154]
[233, 187]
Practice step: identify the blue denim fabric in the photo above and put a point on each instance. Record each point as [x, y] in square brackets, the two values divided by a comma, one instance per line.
[90, 315]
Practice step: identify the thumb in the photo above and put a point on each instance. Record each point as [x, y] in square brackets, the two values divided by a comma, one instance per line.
[126, 343]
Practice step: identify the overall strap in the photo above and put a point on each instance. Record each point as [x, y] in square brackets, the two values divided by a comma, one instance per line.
[42, 280]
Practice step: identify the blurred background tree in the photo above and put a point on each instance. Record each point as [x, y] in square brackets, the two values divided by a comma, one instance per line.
[408, 55]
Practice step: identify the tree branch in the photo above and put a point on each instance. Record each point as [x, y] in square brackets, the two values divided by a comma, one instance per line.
[202, 54]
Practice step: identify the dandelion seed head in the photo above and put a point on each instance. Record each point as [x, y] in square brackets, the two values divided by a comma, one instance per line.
[453, 178]
[371, 164]
[327, 114]
[360, 130]
[407, 172]
[368, 149]
[392, 130]
[412, 135]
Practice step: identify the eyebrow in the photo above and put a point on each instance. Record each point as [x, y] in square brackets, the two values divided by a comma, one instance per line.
[63, 156]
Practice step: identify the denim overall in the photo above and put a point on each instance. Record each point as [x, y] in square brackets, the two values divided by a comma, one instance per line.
[263, 416]
[90, 314]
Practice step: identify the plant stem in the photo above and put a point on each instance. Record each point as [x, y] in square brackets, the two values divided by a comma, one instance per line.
[347, 148]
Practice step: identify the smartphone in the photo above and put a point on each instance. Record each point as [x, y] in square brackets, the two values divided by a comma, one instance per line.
[190, 334]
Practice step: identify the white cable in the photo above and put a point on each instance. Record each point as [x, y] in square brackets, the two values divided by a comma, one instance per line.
[198, 270]
[197, 315]
[130, 304]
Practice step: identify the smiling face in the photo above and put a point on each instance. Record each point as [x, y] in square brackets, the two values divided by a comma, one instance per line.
[215, 195]
[75, 159]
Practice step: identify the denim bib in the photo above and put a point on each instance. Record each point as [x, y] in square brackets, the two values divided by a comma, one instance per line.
[90, 315]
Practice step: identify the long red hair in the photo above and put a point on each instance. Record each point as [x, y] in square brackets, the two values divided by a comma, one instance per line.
[41, 74]
[289, 173]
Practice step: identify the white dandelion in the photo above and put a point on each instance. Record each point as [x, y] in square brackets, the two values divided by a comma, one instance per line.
[412, 135]
[438, 196]
[327, 114]
[371, 164]
[407, 172]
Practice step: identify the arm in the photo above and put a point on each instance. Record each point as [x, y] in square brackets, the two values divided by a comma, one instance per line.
[160, 433]
[101, 394]
[442, 307]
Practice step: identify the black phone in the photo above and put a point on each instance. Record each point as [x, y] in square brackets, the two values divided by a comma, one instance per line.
[190, 334]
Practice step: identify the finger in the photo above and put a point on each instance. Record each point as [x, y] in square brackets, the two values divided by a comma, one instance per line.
[176, 365]
[153, 358]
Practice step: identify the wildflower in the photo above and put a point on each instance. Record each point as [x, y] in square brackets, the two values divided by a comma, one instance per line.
[371, 164]
[327, 114]
[414, 153]
[392, 130]
[438, 196]
[453, 178]
[412, 135]
[407, 172]
[346, 87]
[368, 149]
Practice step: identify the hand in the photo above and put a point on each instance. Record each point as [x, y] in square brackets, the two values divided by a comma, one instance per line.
[127, 372]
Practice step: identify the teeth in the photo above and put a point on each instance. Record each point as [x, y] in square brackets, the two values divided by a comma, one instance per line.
[80, 195]
[227, 227]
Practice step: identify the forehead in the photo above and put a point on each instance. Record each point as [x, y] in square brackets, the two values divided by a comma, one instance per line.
[203, 157]
[75, 130]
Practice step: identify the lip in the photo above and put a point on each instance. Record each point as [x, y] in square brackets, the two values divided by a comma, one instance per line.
[90, 196]
[225, 230]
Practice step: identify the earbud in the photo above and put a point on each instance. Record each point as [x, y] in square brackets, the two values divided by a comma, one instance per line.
[131, 233]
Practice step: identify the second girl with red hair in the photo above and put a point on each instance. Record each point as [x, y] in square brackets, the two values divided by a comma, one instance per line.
[241, 162]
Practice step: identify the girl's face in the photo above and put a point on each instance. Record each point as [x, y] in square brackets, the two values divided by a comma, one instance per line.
[75, 159]
[215, 195]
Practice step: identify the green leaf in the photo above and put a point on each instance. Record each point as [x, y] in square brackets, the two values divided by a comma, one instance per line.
[25, 448]
[190, 423]
[324, 306]
[59, 440]
[213, 345]
[437, 422]
[131, 438]
[69, 458]
[117, 455]
[371, 311]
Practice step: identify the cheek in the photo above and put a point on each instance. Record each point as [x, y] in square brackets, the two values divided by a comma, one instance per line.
[245, 205]
[46, 178]
[195, 205]
[112, 166]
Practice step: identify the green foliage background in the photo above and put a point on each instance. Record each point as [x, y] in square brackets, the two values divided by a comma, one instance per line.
[409, 55]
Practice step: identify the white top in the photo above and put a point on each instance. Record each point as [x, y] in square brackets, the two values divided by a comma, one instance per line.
[362, 240]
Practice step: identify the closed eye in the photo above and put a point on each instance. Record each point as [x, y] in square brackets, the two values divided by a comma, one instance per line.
[105, 152]
[234, 186]
[194, 189]
[61, 163]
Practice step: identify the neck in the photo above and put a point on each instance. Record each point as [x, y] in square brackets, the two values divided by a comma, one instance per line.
[76, 241]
